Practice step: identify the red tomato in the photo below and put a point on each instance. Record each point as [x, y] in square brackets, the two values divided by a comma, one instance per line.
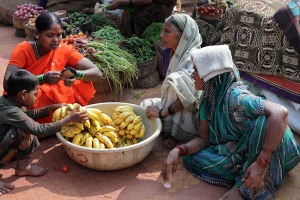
[64, 168]
[201, 8]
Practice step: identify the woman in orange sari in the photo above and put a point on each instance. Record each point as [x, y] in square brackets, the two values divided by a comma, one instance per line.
[46, 58]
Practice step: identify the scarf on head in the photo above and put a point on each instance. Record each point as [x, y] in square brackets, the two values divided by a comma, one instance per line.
[215, 66]
[212, 61]
[178, 82]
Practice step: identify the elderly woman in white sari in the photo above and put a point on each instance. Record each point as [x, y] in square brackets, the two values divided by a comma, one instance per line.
[178, 104]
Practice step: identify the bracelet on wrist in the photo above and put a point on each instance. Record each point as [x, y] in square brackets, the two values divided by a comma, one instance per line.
[262, 162]
[79, 75]
[170, 110]
[160, 114]
[183, 150]
[41, 78]
[268, 151]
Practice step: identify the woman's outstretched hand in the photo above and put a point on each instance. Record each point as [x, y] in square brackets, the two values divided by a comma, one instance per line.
[152, 111]
[51, 77]
[170, 164]
[254, 176]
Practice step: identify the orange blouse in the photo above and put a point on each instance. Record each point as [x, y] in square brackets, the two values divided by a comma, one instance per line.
[81, 92]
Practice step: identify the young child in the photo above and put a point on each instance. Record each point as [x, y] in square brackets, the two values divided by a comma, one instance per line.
[18, 130]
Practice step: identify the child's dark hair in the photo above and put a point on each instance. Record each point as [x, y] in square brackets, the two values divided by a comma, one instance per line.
[21, 80]
[45, 20]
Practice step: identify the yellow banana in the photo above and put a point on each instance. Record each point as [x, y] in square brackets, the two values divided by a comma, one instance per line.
[124, 115]
[137, 119]
[138, 126]
[122, 132]
[63, 111]
[92, 115]
[70, 106]
[87, 123]
[89, 142]
[70, 131]
[77, 138]
[142, 131]
[110, 134]
[128, 142]
[93, 130]
[118, 121]
[128, 136]
[56, 115]
[101, 145]
[83, 139]
[130, 118]
[68, 134]
[114, 116]
[123, 108]
[95, 111]
[123, 125]
[106, 119]
[130, 126]
[79, 125]
[104, 139]
[134, 140]
[133, 132]
[107, 128]
[96, 143]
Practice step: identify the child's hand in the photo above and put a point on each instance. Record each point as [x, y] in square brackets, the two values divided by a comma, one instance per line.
[80, 117]
[75, 116]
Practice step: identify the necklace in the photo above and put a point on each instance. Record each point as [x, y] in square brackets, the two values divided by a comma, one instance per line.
[37, 50]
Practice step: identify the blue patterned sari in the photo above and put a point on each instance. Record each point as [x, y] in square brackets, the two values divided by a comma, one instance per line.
[237, 126]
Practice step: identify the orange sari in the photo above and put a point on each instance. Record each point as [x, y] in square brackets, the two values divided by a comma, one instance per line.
[81, 92]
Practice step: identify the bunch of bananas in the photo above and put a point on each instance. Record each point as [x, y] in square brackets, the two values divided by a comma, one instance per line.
[100, 131]
[128, 125]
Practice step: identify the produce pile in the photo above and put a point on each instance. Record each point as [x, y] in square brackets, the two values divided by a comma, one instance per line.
[115, 63]
[140, 48]
[26, 11]
[152, 32]
[110, 34]
[101, 131]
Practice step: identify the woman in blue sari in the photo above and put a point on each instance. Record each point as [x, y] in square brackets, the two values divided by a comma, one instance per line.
[244, 142]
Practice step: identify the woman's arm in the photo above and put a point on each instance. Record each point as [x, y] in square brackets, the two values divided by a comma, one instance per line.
[90, 70]
[276, 124]
[193, 146]
[175, 107]
[275, 127]
[9, 70]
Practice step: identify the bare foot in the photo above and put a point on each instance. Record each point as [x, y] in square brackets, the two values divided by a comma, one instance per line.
[170, 142]
[232, 194]
[6, 187]
[31, 170]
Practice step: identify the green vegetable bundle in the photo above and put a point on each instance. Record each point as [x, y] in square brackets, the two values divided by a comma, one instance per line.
[99, 21]
[152, 32]
[115, 63]
[79, 19]
[141, 49]
[109, 33]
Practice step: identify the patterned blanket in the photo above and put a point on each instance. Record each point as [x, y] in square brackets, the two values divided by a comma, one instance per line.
[257, 43]
[288, 19]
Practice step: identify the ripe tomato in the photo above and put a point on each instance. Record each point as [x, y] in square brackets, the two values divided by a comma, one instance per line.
[64, 168]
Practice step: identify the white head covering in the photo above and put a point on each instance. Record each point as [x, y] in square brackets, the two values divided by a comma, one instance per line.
[178, 82]
[211, 61]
